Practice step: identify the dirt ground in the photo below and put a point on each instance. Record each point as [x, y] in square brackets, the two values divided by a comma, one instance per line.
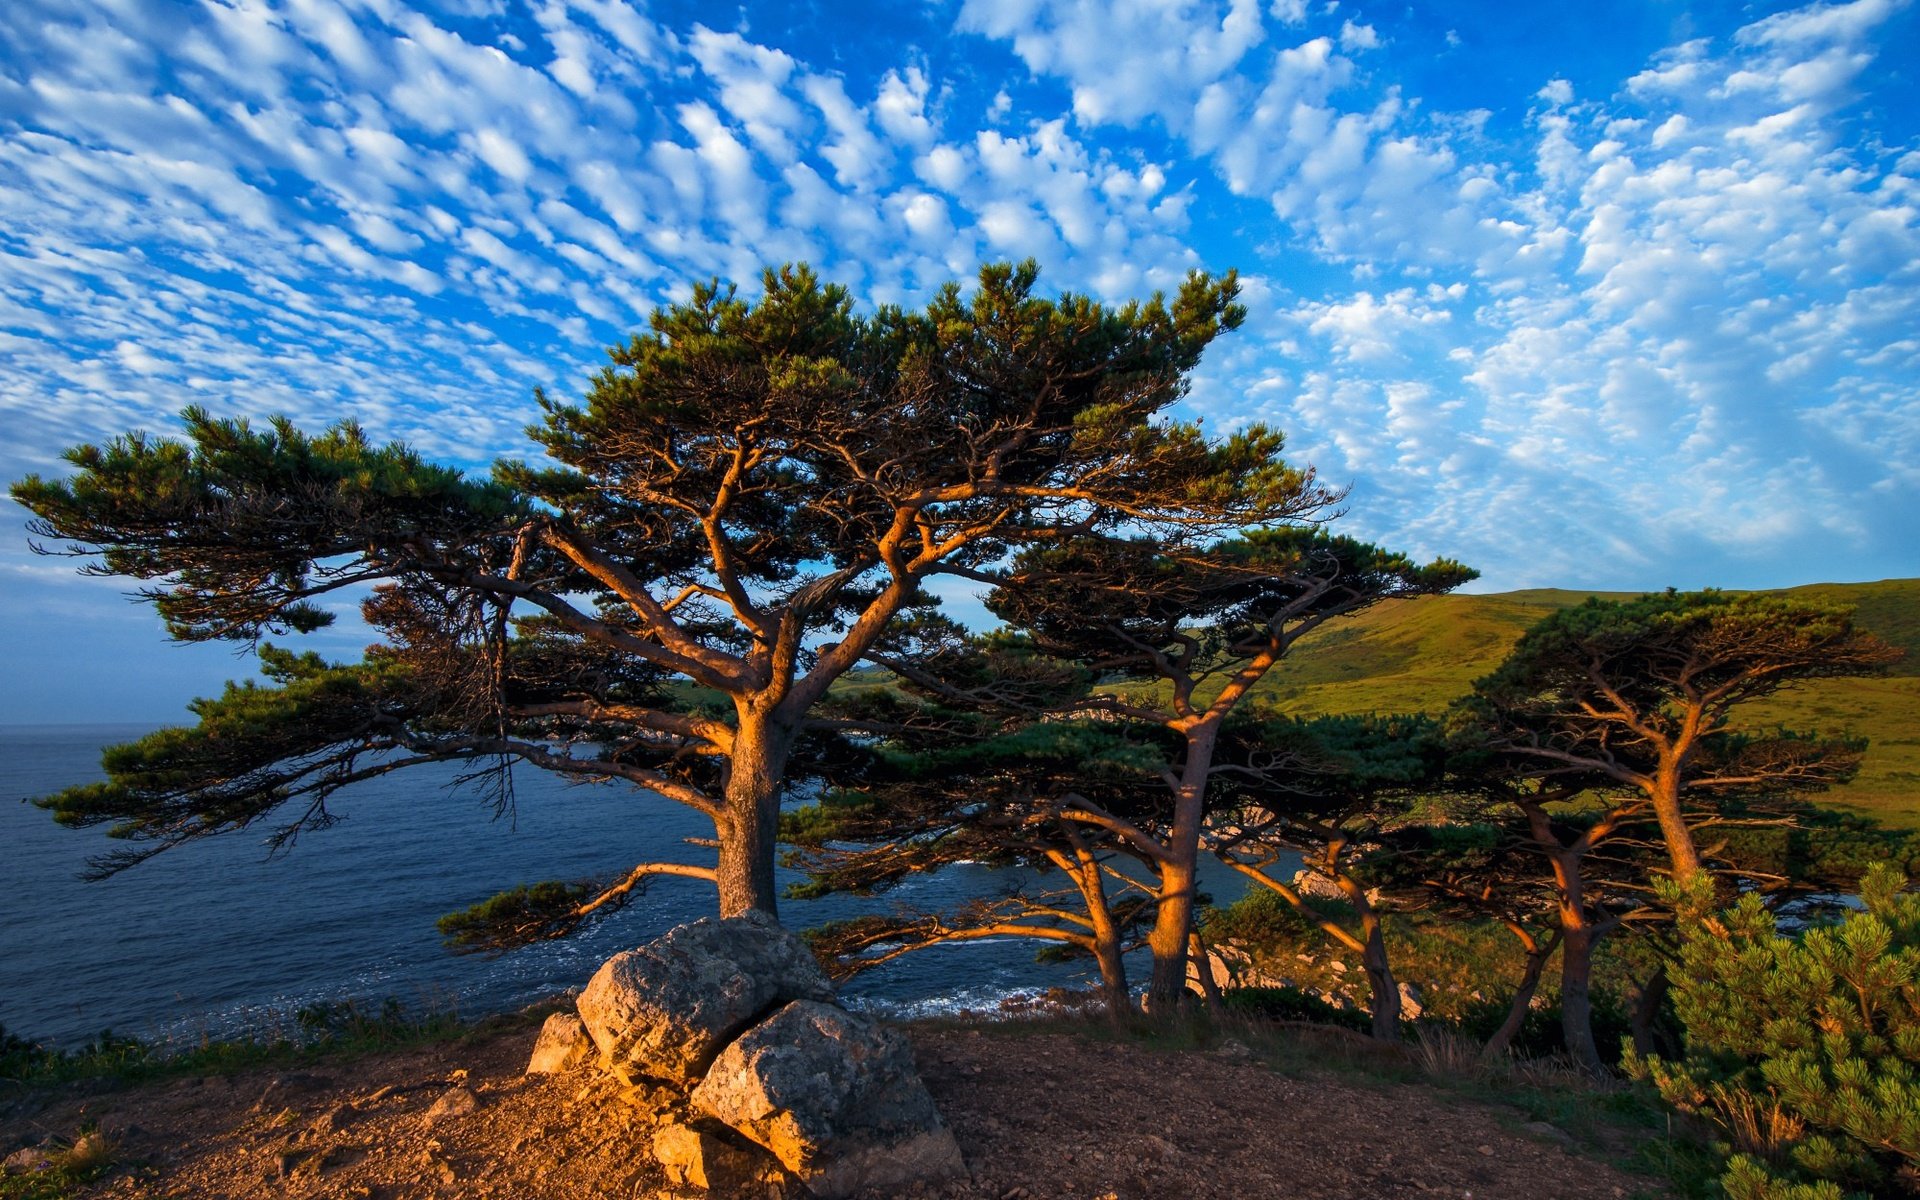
[1039, 1116]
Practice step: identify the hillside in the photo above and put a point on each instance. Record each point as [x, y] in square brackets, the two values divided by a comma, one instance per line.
[1418, 655]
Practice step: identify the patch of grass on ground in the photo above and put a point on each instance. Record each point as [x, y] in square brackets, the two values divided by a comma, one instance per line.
[69, 1169]
[320, 1032]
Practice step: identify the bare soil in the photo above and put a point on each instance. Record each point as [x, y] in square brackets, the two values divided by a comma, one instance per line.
[1039, 1116]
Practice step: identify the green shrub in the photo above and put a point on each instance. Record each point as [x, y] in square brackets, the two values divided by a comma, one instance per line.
[1292, 1004]
[1541, 1034]
[1803, 1050]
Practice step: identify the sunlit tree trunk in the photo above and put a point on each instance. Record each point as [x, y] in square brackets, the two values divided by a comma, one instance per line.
[1665, 794]
[749, 825]
[1179, 873]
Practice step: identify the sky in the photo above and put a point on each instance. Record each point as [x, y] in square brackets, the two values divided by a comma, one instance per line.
[1613, 295]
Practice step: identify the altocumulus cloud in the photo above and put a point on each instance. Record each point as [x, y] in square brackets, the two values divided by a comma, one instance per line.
[1622, 318]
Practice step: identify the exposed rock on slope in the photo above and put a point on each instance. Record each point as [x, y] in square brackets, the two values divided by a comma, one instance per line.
[756, 1066]
[666, 1009]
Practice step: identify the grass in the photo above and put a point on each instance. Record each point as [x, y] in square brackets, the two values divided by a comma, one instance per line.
[70, 1168]
[319, 1032]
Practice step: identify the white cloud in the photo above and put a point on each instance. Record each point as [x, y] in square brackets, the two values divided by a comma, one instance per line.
[1701, 274]
[1125, 61]
[1679, 292]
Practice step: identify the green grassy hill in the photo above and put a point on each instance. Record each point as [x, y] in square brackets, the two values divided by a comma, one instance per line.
[1418, 655]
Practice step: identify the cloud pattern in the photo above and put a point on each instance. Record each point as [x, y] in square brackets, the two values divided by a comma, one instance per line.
[1662, 332]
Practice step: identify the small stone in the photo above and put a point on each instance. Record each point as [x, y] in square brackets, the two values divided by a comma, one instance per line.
[28, 1158]
[1486, 1150]
[1410, 1006]
[457, 1102]
[334, 1119]
[1550, 1131]
[1233, 1050]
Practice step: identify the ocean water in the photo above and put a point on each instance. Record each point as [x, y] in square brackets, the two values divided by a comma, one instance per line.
[216, 938]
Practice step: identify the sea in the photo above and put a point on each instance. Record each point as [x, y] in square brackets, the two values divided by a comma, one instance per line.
[218, 938]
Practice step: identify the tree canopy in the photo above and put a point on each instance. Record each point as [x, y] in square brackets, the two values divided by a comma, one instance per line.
[1644, 693]
[752, 490]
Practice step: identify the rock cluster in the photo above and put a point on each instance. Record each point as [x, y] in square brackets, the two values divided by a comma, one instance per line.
[729, 1030]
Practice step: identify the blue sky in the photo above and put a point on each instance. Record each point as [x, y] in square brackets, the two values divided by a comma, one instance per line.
[1617, 295]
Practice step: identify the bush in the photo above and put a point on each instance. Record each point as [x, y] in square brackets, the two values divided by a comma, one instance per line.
[1292, 1004]
[1803, 1050]
[1541, 1035]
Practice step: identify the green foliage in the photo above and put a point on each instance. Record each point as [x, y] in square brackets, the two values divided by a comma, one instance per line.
[211, 515]
[1292, 1004]
[1149, 610]
[253, 749]
[314, 1032]
[1620, 688]
[516, 917]
[1804, 1050]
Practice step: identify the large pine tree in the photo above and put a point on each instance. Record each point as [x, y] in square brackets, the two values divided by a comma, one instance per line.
[750, 493]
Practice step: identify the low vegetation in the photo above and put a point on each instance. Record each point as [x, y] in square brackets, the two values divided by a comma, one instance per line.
[314, 1032]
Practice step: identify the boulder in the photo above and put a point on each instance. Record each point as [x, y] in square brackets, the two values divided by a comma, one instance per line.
[664, 1010]
[563, 1045]
[835, 1097]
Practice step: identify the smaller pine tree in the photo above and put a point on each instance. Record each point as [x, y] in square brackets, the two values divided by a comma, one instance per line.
[1803, 1050]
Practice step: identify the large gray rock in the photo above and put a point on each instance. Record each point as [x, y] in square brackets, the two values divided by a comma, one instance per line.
[666, 1009]
[835, 1097]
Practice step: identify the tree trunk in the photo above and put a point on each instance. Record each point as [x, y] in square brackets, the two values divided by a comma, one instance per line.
[1665, 794]
[1502, 1039]
[1576, 998]
[1113, 978]
[1646, 1010]
[1106, 933]
[749, 827]
[1386, 989]
[1173, 920]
